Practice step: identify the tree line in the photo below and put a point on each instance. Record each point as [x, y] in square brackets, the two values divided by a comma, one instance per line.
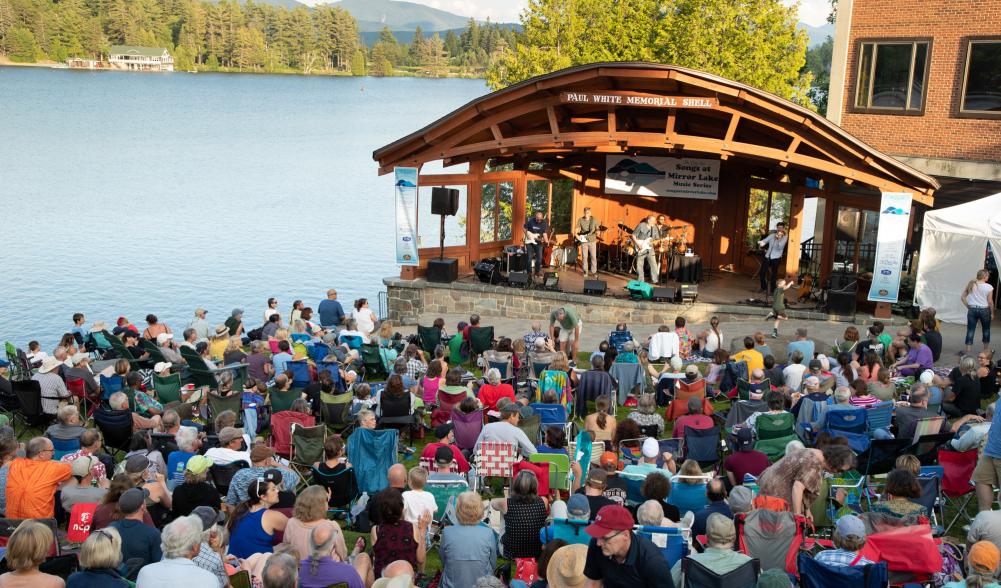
[468, 53]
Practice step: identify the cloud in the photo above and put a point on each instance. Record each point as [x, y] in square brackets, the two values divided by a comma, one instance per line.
[812, 12]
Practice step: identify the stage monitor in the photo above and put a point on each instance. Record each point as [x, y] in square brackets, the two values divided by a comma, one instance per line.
[689, 292]
[663, 294]
[444, 201]
[517, 279]
[595, 287]
[551, 281]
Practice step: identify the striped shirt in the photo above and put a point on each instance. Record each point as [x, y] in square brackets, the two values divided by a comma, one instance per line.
[840, 557]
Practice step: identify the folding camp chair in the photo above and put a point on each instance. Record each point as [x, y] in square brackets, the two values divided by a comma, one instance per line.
[29, 394]
[928, 426]
[494, 459]
[168, 388]
[930, 481]
[64, 447]
[775, 431]
[446, 403]
[371, 356]
[443, 491]
[241, 579]
[559, 469]
[281, 429]
[466, 428]
[541, 471]
[879, 416]
[218, 404]
[679, 408]
[396, 414]
[569, 530]
[154, 351]
[551, 415]
[481, 339]
[745, 388]
[430, 338]
[702, 445]
[343, 488]
[531, 426]
[850, 424]
[336, 412]
[306, 448]
[300, 373]
[774, 537]
[282, 400]
[926, 447]
[669, 540]
[222, 474]
[634, 488]
[110, 385]
[317, 351]
[813, 574]
[372, 453]
[696, 575]
[957, 487]
[689, 492]
[335, 373]
[78, 389]
[115, 427]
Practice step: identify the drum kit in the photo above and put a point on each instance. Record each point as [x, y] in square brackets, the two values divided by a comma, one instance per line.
[619, 255]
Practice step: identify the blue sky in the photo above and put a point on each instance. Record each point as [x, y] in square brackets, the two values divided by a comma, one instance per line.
[812, 12]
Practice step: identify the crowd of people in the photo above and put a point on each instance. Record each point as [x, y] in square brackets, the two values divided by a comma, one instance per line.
[128, 453]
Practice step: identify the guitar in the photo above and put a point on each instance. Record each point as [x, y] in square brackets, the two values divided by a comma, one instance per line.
[644, 245]
[534, 238]
[806, 289]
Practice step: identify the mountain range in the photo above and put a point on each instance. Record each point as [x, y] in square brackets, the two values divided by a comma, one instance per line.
[402, 18]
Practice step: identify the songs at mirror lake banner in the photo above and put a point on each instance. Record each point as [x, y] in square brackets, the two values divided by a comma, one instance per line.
[406, 215]
[891, 240]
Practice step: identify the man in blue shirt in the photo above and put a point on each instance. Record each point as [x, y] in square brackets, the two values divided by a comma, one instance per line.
[716, 493]
[540, 228]
[330, 310]
[78, 330]
[803, 343]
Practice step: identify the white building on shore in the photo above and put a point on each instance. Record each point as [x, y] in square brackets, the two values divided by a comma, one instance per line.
[140, 58]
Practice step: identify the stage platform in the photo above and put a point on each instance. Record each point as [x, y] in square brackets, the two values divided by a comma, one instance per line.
[723, 293]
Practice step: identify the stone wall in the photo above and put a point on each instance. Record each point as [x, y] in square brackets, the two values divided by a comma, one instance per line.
[411, 299]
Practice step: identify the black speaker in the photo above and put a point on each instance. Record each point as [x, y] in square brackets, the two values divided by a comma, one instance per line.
[595, 287]
[841, 303]
[663, 294]
[488, 271]
[689, 292]
[844, 283]
[517, 279]
[442, 270]
[444, 201]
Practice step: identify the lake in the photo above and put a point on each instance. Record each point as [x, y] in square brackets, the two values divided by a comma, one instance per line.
[128, 194]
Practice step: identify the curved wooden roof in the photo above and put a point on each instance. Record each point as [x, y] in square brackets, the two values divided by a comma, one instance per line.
[530, 118]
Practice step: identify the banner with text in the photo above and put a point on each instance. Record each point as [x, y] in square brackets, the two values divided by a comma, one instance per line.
[670, 177]
[891, 239]
[406, 216]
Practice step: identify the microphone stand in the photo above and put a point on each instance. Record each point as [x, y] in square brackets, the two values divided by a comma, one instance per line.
[712, 246]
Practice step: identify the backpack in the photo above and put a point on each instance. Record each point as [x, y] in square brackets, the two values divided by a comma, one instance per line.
[952, 563]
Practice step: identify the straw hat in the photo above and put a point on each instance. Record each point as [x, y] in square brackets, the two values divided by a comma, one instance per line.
[98, 326]
[48, 364]
[566, 567]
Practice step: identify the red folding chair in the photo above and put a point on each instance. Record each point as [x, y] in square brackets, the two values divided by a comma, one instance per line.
[281, 429]
[957, 484]
[541, 471]
[81, 518]
[78, 389]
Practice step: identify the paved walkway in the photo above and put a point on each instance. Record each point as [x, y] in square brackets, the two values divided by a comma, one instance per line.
[734, 327]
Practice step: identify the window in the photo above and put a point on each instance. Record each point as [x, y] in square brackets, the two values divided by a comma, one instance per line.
[982, 82]
[765, 210]
[892, 76]
[429, 225]
[495, 211]
[555, 199]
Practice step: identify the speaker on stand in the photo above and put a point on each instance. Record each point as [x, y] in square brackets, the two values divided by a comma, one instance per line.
[444, 202]
[842, 296]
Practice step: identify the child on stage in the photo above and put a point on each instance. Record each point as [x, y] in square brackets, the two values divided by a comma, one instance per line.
[779, 305]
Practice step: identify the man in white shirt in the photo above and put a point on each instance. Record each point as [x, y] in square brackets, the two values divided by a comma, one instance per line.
[506, 430]
[230, 447]
[774, 248]
[664, 344]
[181, 541]
[793, 373]
[201, 326]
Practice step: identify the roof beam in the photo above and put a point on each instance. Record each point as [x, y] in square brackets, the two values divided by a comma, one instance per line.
[554, 124]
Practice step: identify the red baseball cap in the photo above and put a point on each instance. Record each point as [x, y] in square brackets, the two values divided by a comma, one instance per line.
[610, 519]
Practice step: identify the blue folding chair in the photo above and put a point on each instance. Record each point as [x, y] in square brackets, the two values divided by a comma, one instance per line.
[687, 496]
[669, 540]
[813, 574]
[300, 373]
[353, 341]
[300, 337]
[879, 416]
[335, 372]
[110, 385]
[930, 479]
[852, 425]
[634, 489]
[702, 445]
[64, 447]
[571, 531]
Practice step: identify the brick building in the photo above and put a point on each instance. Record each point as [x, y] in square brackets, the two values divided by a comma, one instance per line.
[921, 80]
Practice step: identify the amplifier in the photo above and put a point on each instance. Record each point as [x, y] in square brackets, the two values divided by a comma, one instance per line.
[689, 292]
[517, 279]
[517, 260]
[488, 271]
[595, 287]
[841, 303]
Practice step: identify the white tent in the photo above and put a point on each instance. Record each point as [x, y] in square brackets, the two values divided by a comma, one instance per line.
[952, 250]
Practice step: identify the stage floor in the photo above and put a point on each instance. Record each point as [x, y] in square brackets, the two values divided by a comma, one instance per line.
[722, 287]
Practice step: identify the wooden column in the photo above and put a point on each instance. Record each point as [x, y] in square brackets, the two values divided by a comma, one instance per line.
[830, 222]
[473, 202]
[519, 207]
[795, 231]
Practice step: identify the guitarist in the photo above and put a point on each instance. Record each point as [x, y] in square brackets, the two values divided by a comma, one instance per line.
[536, 238]
[643, 236]
[587, 235]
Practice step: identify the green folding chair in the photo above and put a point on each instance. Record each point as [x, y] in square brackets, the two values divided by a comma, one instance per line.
[218, 404]
[481, 339]
[559, 469]
[775, 431]
[168, 388]
[430, 338]
[372, 359]
[283, 400]
[306, 449]
[122, 351]
[155, 354]
[336, 412]
[531, 426]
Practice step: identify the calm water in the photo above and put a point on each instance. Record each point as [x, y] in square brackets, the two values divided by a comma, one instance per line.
[128, 194]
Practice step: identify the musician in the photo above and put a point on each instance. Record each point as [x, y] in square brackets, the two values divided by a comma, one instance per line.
[774, 246]
[587, 233]
[540, 228]
[662, 226]
[645, 252]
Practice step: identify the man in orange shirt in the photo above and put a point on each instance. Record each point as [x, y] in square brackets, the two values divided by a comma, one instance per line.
[33, 480]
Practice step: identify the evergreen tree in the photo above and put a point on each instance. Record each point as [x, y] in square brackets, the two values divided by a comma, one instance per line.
[416, 48]
[23, 47]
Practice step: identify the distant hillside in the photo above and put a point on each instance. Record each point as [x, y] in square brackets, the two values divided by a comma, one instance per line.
[290, 4]
[370, 38]
[372, 15]
[817, 34]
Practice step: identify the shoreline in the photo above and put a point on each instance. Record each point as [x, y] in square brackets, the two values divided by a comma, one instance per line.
[6, 62]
